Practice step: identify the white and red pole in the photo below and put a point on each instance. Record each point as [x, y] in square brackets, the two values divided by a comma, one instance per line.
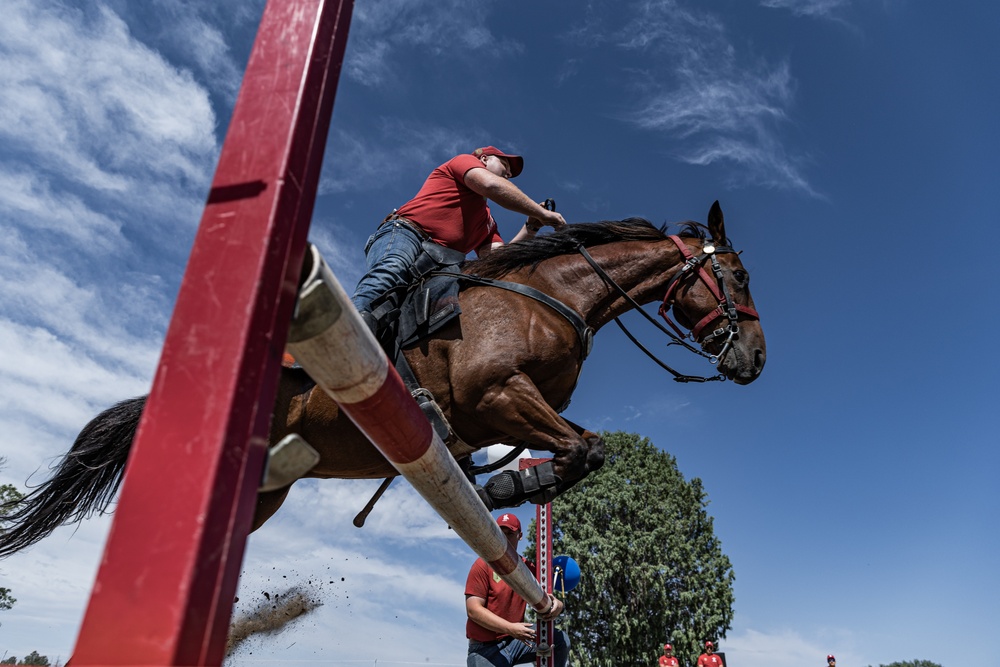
[331, 342]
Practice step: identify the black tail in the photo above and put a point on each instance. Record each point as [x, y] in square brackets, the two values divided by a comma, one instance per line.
[85, 481]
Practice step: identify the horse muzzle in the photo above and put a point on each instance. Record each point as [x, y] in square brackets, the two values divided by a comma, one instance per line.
[744, 361]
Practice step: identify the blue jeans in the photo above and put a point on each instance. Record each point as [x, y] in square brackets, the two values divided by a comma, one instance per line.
[389, 254]
[509, 651]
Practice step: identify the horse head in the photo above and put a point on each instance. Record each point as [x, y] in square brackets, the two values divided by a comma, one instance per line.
[710, 296]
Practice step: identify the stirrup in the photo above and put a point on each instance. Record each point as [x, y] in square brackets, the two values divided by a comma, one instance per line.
[510, 488]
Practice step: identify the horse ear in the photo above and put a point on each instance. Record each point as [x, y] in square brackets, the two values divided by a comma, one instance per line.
[716, 224]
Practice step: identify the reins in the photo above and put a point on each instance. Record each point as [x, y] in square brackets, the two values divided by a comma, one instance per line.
[727, 307]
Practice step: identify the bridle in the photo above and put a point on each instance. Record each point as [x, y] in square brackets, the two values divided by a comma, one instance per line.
[693, 265]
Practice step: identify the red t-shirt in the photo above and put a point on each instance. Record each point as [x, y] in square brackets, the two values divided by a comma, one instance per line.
[709, 660]
[451, 212]
[668, 661]
[500, 598]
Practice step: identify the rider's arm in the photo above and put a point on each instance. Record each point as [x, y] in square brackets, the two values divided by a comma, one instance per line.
[509, 196]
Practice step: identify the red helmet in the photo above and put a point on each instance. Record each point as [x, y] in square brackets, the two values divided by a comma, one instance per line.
[668, 647]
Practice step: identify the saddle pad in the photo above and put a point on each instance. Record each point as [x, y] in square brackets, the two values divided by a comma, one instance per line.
[427, 308]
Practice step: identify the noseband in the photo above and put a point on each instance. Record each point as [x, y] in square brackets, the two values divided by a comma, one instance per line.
[727, 307]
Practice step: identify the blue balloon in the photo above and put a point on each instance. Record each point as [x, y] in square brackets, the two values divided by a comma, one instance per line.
[565, 574]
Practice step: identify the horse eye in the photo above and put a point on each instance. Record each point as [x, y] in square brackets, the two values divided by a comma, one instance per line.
[741, 276]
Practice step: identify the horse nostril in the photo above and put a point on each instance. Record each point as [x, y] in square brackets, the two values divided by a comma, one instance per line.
[758, 360]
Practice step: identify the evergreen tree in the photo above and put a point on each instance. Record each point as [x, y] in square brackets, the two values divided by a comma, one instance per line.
[652, 569]
[8, 494]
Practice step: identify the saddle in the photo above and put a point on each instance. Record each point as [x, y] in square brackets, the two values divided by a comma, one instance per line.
[405, 316]
[408, 315]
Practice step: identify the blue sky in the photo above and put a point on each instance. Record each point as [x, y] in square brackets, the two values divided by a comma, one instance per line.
[851, 143]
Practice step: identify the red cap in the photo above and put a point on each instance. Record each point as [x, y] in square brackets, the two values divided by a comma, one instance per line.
[516, 161]
[509, 521]
[708, 644]
[668, 647]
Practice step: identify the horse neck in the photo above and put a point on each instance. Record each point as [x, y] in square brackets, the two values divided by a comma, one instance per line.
[641, 268]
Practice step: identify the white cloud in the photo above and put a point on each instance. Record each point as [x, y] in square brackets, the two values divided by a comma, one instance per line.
[690, 82]
[93, 105]
[394, 148]
[30, 196]
[781, 648]
[382, 30]
[818, 8]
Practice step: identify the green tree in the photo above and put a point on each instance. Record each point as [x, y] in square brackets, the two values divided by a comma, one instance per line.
[911, 663]
[34, 659]
[8, 494]
[652, 569]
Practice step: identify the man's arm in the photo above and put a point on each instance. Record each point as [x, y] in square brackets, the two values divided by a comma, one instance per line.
[476, 609]
[510, 197]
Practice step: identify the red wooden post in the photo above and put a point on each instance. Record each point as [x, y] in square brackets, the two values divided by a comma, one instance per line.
[166, 584]
[545, 630]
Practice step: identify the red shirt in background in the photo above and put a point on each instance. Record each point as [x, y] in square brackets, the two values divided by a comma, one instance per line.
[500, 598]
[709, 660]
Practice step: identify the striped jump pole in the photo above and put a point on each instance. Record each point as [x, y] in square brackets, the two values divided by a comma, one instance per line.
[332, 343]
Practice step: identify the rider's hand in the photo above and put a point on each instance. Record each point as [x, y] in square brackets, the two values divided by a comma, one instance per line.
[552, 219]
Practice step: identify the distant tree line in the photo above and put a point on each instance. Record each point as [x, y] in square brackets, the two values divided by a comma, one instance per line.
[31, 659]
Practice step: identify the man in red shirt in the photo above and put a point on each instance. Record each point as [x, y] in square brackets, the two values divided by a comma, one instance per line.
[498, 635]
[708, 658]
[450, 210]
[668, 659]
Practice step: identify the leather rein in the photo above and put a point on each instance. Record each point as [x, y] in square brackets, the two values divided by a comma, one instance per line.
[727, 308]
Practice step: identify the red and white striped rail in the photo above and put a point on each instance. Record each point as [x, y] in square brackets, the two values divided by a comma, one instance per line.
[332, 343]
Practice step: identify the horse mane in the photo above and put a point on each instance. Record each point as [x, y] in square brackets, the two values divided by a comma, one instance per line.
[530, 252]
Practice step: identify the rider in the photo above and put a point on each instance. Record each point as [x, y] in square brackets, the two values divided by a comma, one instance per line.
[450, 210]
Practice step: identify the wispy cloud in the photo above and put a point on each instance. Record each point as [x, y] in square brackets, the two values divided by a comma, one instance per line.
[394, 148]
[717, 104]
[383, 30]
[816, 8]
[786, 648]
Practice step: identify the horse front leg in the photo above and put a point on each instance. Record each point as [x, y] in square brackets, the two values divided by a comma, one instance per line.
[518, 410]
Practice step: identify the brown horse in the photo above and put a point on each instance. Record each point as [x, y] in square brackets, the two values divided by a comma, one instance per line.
[499, 373]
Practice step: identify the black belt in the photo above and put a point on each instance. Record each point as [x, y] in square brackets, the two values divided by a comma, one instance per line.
[406, 222]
